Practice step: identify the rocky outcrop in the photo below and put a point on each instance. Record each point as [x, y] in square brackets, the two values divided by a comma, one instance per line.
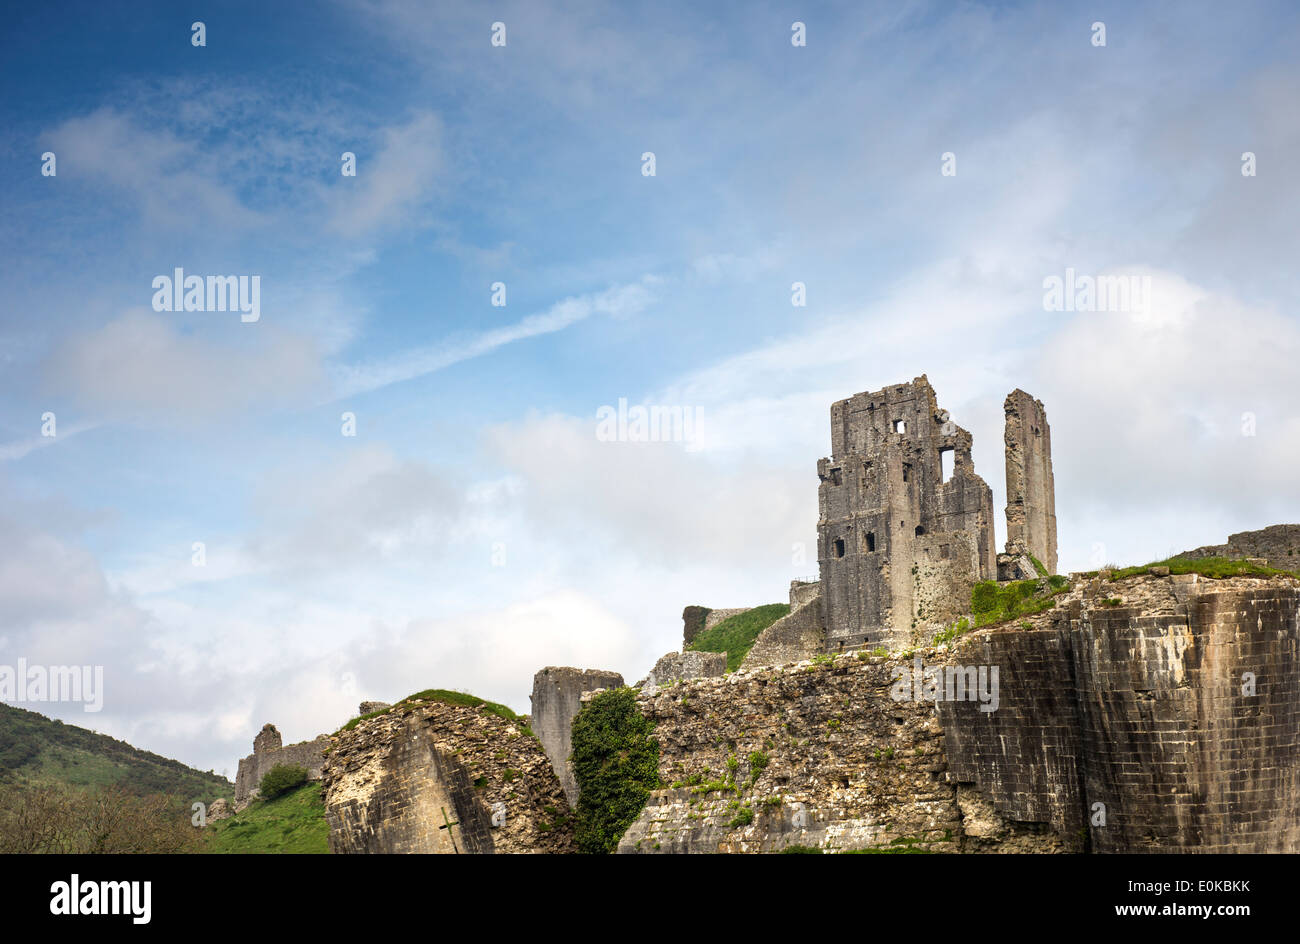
[217, 810]
[442, 778]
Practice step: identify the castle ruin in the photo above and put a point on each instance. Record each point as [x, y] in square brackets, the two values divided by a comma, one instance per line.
[1031, 490]
[905, 526]
[269, 751]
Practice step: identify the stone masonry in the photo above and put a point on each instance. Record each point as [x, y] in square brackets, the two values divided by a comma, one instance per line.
[676, 666]
[1169, 704]
[899, 545]
[1277, 545]
[1127, 698]
[1031, 489]
[429, 777]
[556, 698]
[268, 752]
[799, 635]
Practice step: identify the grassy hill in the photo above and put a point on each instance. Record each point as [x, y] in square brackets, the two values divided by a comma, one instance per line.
[35, 749]
[290, 824]
[736, 634]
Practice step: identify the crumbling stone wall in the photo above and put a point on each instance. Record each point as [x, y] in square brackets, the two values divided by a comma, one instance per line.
[808, 755]
[715, 617]
[1277, 545]
[799, 635]
[1128, 694]
[429, 777]
[1031, 488]
[885, 510]
[693, 623]
[803, 592]
[556, 698]
[268, 753]
[676, 666]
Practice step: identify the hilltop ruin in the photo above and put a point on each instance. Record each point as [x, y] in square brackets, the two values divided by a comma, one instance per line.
[905, 526]
[1122, 713]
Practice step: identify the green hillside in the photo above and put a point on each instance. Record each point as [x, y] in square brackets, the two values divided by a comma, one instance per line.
[736, 634]
[293, 823]
[35, 749]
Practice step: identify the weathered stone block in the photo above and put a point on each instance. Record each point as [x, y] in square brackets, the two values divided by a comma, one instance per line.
[556, 699]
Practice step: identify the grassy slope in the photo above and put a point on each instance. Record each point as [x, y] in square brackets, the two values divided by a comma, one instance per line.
[448, 697]
[736, 634]
[36, 749]
[292, 824]
[1215, 568]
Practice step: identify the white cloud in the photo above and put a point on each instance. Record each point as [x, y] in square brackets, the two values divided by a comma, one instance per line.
[392, 184]
[175, 183]
[141, 366]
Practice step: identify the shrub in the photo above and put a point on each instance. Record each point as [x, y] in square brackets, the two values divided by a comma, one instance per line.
[744, 816]
[281, 779]
[616, 763]
[993, 602]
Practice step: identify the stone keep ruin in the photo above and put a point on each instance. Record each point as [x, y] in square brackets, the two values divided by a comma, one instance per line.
[905, 526]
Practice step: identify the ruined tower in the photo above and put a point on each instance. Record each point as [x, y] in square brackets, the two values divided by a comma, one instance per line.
[1031, 492]
[905, 526]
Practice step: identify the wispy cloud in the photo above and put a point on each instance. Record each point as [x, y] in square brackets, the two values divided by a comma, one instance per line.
[175, 183]
[390, 184]
[17, 449]
[619, 301]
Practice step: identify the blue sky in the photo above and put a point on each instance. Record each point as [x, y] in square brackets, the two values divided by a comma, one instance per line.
[341, 568]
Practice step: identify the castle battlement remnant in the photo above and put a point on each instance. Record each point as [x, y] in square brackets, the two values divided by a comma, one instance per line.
[905, 526]
[269, 751]
[1031, 489]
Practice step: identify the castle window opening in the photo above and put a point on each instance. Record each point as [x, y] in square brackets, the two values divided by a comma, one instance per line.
[871, 541]
[839, 547]
[947, 461]
[907, 471]
[900, 426]
[919, 530]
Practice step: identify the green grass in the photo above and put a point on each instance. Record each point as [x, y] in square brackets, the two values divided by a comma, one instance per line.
[735, 635]
[35, 749]
[448, 697]
[1215, 568]
[953, 630]
[993, 602]
[293, 824]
